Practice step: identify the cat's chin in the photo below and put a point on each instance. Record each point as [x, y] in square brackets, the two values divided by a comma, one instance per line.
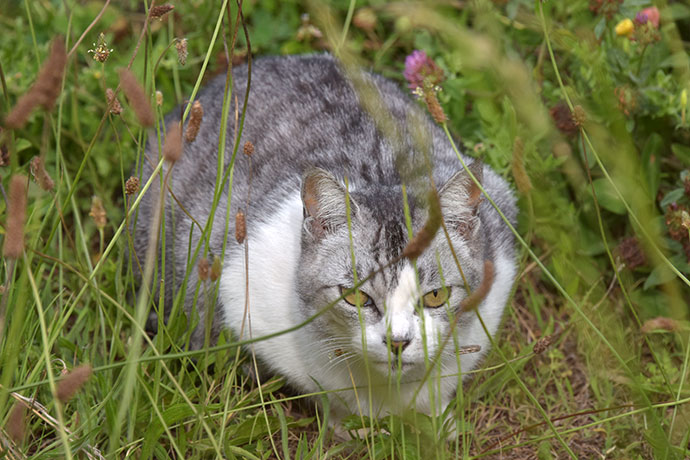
[393, 367]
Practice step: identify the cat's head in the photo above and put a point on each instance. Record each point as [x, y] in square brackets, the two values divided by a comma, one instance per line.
[401, 313]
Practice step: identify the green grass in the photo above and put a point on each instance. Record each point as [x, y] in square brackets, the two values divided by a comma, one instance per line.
[578, 369]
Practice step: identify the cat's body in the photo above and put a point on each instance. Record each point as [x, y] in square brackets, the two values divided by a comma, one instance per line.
[303, 114]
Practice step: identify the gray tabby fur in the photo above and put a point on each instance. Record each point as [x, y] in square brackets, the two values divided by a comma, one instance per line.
[310, 132]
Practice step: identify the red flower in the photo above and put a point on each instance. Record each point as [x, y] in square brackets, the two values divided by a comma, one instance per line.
[650, 15]
[421, 71]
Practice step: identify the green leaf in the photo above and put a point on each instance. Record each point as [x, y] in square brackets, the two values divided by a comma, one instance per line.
[171, 416]
[607, 197]
[672, 196]
[660, 275]
[600, 27]
[682, 152]
[21, 144]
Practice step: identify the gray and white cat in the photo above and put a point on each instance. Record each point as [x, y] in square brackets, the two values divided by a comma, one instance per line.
[311, 135]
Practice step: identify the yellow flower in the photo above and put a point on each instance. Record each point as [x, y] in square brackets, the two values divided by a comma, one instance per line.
[625, 28]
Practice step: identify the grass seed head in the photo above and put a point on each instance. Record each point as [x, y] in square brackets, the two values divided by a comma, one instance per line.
[478, 295]
[16, 213]
[659, 323]
[204, 268]
[248, 148]
[563, 119]
[98, 213]
[4, 151]
[100, 51]
[16, 422]
[181, 47]
[434, 107]
[196, 116]
[45, 90]
[579, 116]
[240, 227]
[172, 149]
[365, 19]
[159, 98]
[49, 80]
[137, 97]
[215, 268]
[114, 105]
[40, 174]
[631, 252]
[423, 238]
[157, 12]
[522, 180]
[132, 186]
[73, 381]
[542, 344]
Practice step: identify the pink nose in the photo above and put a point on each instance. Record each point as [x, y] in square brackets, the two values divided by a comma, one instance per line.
[398, 345]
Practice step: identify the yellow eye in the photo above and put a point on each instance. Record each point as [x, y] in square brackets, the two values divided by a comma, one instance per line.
[357, 298]
[436, 298]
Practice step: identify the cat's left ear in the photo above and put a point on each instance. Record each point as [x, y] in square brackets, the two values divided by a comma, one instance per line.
[323, 201]
[460, 198]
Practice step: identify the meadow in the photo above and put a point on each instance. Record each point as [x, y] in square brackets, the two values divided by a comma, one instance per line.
[581, 105]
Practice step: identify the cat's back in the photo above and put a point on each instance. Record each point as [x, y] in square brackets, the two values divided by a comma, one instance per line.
[302, 112]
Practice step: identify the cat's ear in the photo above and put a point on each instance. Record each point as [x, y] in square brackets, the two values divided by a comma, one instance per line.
[323, 201]
[460, 198]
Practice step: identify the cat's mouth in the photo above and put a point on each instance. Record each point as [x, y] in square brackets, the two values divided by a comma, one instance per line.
[394, 364]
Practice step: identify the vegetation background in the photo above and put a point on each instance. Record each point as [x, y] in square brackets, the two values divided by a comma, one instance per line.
[581, 104]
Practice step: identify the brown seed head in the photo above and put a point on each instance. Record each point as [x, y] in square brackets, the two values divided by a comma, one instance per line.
[157, 12]
[522, 180]
[181, 47]
[16, 212]
[172, 149]
[542, 344]
[240, 227]
[434, 106]
[478, 295]
[40, 174]
[68, 386]
[365, 19]
[423, 238]
[98, 213]
[114, 105]
[659, 323]
[248, 148]
[579, 116]
[16, 423]
[560, 113]
[215, 268]
[631, 252]
[132, 186]
[45, 90]
[4, 151]
[204, 268]
[49, 80]
[196, 116]
[137, 97]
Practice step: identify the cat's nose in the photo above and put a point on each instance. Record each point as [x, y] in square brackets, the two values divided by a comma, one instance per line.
[397, 346]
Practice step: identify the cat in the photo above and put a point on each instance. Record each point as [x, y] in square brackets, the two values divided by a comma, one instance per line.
[315, 148]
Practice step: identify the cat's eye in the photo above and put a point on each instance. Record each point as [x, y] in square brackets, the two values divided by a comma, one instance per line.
[436, 298]
[356, 297]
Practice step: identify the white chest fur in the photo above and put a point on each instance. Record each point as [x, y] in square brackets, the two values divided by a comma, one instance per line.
[271, 307]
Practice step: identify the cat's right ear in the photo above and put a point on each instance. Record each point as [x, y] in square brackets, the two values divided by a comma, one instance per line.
[323, 201]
